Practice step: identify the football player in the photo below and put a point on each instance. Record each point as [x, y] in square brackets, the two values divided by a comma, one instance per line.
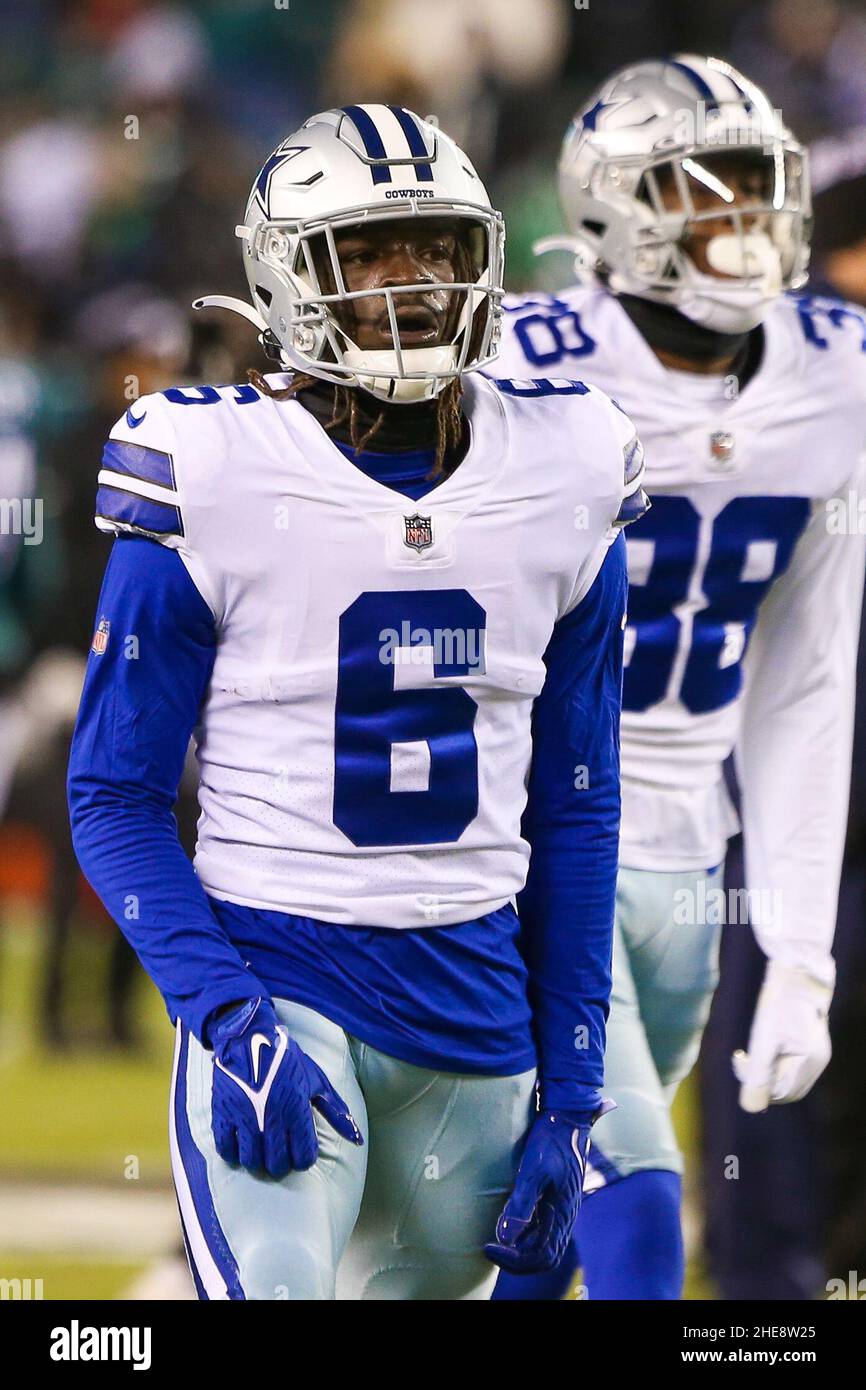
[687, 201]
[388, 597]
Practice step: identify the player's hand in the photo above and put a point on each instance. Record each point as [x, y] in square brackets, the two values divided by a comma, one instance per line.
[263, 1089]
[533, 1232]
[789, 1042]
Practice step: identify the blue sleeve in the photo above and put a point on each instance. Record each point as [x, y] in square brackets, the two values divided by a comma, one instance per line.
[140, 703]
[572, 824]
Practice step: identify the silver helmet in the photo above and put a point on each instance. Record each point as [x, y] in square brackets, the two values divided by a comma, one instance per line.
[650, 159]
[362, 165]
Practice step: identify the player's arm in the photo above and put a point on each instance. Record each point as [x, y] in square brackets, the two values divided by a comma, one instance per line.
[794, 765]
[567, 911]
[572, 824]
[140, 703]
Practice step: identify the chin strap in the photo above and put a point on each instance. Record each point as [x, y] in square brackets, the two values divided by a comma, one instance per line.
[236, 306]
[585, 262]
[555, 243]
[365, 364]
[269, 341]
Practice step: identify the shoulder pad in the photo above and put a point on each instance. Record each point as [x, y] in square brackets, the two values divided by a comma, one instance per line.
[634, 499]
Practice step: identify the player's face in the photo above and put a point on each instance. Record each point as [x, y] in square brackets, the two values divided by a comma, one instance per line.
[414, 251]
[719, 183]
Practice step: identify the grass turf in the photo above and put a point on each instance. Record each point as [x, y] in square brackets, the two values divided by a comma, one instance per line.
[82, 1112]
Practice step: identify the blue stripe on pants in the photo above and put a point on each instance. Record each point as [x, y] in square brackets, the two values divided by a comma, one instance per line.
[202, 1230]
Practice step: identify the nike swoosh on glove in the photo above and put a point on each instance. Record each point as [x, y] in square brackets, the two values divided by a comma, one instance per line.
[263, 1089]
[536, 1223]
[789, 1041]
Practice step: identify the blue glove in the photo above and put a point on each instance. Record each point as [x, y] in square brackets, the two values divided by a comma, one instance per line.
[263, 1088]
[533, 1232]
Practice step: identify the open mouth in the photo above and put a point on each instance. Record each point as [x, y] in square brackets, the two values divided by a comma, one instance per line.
[418, 325]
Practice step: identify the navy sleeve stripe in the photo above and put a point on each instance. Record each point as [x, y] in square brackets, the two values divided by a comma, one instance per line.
[156, 518]
[633, 458]
[138, 461]
[632, 507]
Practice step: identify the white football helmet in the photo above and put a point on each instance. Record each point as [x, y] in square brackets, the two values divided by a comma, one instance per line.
[669, 126]
[362, 165]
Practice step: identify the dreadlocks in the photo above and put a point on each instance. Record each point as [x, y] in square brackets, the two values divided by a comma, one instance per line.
[348, 412]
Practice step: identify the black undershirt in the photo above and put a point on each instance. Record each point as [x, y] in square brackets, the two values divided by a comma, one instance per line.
[669, 331]
[403, 427]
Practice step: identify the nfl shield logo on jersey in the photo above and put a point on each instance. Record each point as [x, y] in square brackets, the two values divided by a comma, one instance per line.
[100, 637]
[722, 448]
[419, 531]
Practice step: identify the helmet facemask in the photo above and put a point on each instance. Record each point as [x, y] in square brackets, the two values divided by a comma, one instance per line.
[320, 334]
[727, 230]
[671, 155]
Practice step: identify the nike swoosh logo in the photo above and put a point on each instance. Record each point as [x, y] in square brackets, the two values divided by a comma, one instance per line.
[575, 1149]
[131, 419]
[257, 1042]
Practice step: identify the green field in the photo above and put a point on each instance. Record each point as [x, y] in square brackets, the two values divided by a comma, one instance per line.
[89, 1114]
[78, 1113]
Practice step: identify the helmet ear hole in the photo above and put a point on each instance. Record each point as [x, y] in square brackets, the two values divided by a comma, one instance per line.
[264, 295]
[476, 245]
[597, 228]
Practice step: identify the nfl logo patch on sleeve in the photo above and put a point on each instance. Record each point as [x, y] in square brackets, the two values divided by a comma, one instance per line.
[100, 637]
[418, 532]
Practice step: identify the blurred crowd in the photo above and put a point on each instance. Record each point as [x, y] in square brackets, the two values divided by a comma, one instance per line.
[130, 132]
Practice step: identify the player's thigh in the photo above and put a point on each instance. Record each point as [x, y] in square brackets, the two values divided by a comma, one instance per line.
[638, 1134]
[443, 1154]
[674, 956]
[247, 1236]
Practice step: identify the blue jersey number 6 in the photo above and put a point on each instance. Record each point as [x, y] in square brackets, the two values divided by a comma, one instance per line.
[372, 716]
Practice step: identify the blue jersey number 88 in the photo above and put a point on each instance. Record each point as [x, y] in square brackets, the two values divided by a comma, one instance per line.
[713, 671]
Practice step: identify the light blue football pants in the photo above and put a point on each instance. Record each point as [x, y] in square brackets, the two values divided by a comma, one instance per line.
[404, 1217]
[665, 971]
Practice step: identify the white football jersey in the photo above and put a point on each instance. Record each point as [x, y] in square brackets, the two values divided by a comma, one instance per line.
[364, 747]
[744, 549]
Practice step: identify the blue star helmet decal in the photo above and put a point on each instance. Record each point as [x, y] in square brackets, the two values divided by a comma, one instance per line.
[590, 117]
[280, 156]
